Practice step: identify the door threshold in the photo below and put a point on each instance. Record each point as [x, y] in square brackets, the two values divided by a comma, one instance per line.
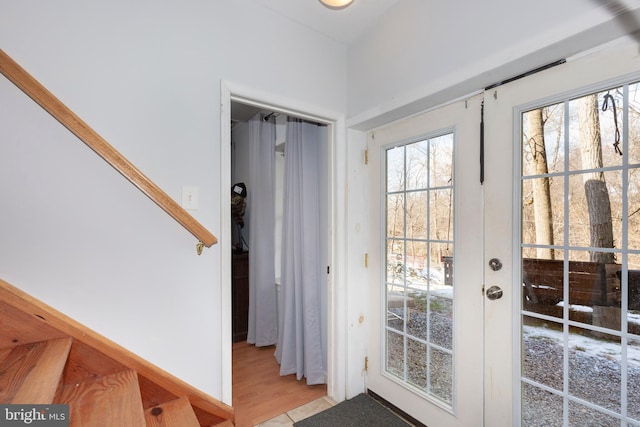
[399, 412]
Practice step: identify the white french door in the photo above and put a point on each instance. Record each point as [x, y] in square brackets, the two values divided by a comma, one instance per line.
[425, 270]
[576, 358]
[453, 338]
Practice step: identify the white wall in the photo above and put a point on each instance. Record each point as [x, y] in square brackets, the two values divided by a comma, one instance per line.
[424, 53]
[146, 76]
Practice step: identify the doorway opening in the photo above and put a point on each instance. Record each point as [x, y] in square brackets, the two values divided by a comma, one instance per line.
[256, 375]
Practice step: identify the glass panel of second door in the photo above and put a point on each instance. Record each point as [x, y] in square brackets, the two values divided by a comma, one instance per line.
[580, 316]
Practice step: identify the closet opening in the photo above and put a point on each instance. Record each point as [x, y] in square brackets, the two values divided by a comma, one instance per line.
[280, 234]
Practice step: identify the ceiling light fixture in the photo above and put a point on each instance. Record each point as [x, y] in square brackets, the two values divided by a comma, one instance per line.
[336, 4]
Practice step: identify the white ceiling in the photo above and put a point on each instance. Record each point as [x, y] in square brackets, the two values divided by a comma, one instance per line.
[343, 25]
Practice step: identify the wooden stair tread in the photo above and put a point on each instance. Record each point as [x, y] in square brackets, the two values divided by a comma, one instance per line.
[114, 397]
[31, 373]
[175, 413]
[226, 423]
[24, 320]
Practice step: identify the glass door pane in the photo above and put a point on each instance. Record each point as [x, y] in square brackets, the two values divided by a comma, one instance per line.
[580, 264]
[419, 274]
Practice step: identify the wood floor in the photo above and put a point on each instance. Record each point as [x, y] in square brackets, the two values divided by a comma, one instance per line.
[259, 392]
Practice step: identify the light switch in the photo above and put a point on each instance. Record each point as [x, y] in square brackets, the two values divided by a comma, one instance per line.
[190, 197]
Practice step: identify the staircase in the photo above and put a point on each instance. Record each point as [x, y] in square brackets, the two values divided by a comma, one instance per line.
[47, 358]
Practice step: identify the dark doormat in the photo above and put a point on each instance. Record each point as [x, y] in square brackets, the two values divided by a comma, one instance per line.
[359, 411]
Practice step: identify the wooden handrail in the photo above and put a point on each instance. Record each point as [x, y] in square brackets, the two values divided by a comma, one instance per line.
[36, 91]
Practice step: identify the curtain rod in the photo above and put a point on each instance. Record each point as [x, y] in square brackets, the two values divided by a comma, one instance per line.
[528, 73]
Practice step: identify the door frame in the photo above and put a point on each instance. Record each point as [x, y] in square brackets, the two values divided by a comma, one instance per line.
[336, 292]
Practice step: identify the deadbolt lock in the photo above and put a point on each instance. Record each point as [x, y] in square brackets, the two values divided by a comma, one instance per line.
[495, 264]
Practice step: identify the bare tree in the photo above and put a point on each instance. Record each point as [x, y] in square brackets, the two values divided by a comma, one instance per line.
[543, 213]
[595, 186]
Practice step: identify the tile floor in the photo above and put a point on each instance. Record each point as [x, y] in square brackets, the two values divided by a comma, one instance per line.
[299, 413]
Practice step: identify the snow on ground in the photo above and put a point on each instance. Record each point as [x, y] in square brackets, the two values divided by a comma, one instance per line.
[593, 346]
[632, 317]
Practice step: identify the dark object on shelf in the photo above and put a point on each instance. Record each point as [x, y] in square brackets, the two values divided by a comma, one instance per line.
[238, 206]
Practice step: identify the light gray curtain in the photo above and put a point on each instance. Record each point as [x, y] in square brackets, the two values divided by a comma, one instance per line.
[299, 348]
[263, 322]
